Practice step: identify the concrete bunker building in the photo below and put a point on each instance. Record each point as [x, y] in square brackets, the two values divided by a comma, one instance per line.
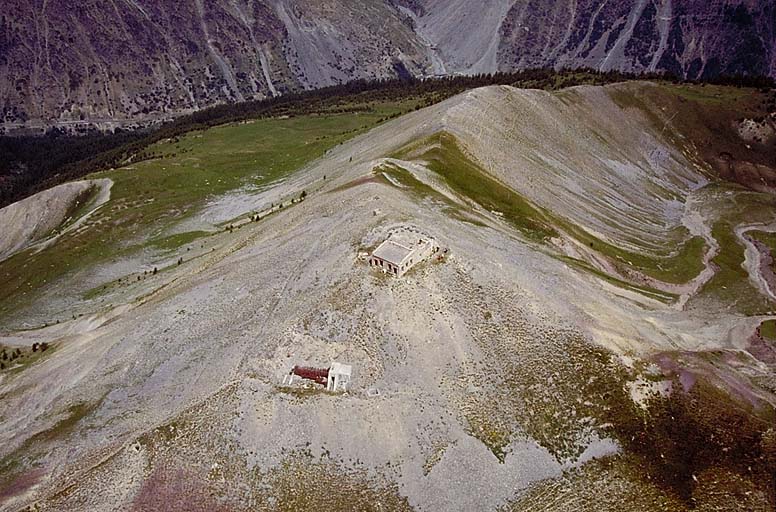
[403, 249]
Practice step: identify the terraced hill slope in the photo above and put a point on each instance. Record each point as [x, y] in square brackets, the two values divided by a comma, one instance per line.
[137, 61]
[591, 326]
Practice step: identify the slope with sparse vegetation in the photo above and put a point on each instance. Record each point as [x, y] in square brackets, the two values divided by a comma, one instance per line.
[587, 335]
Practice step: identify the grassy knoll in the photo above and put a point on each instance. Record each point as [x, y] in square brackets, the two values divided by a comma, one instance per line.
[681, 267]
[768, 330]
[664, 297]
[445, 157]
[200, 164]
[150, 196]
[712, 94]
[423, 191]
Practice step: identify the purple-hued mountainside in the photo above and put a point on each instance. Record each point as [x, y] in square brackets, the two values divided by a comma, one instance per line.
[136, 60]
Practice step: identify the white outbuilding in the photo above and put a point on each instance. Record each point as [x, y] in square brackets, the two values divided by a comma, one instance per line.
[339, 377]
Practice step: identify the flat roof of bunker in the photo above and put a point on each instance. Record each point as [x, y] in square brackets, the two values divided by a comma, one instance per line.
[392, 252]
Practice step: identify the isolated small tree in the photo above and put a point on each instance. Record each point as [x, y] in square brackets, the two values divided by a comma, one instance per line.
[303, 195]
[154, 271]
[44, 346]
[180, 260]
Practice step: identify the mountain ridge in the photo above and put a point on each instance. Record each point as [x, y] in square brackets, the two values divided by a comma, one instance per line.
[144, 60]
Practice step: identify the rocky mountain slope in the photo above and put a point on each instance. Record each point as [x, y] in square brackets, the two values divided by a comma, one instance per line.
[596, 335]
[141, 59]
[47, 215]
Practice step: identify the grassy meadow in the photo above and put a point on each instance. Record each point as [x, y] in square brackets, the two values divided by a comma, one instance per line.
[175, 180]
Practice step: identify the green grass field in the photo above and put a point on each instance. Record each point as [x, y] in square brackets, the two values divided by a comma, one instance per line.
[712, 94]
[768, 330]
[150, 196]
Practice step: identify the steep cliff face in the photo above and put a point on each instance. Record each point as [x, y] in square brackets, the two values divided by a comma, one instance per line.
[689, 38]
[141, 59]
[331, 42]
